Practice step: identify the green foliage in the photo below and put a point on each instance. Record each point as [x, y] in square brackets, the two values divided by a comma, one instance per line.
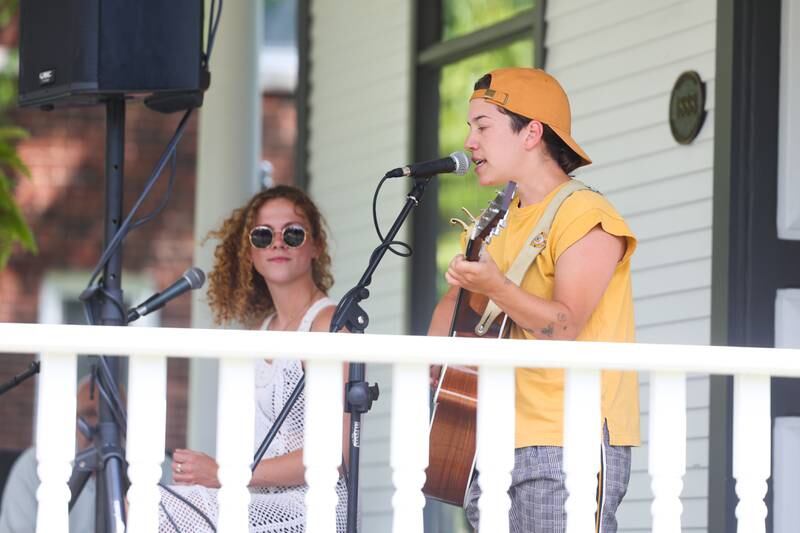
[13, 228]
[461, 17]
[12, 225]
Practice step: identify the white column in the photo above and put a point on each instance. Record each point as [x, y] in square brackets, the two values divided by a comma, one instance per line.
[147, 419]
[322, 446]
[582, 433]
[55, 440]
[410, 421]
[235, 435]
[667, 449]
[229, 147]
[788, 218]
[495, 445]
[786, 476]
[751, 450]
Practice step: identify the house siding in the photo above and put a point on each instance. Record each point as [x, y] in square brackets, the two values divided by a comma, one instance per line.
[618, 60]
[359, 112]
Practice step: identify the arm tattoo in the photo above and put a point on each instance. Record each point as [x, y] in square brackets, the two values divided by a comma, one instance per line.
[548, 331]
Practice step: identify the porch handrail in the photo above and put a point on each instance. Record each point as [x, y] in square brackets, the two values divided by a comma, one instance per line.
[410, 355]
[380, 348]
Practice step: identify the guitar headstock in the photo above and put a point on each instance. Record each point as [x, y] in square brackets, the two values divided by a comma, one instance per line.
[492, 220]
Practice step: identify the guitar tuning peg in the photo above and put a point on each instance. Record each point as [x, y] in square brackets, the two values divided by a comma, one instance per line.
[471, 217]
[455, 221]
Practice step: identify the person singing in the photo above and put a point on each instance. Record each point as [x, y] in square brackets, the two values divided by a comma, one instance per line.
[578, 288]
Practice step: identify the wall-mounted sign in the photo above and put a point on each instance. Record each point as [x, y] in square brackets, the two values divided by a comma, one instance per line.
[687, 107]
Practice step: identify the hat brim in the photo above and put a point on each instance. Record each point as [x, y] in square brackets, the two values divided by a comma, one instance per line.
[567, 138]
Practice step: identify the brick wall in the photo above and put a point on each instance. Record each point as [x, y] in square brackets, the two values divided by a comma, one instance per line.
[64, 204]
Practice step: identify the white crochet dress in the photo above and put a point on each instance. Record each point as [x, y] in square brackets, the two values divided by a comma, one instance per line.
[272, 509]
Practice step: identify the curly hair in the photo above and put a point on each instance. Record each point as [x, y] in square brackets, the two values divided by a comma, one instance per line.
[236, 290]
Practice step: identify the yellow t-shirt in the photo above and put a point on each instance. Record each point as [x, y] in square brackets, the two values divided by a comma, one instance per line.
[540, 391]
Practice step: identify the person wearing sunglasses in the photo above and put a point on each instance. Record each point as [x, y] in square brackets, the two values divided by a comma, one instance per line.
[271, 272]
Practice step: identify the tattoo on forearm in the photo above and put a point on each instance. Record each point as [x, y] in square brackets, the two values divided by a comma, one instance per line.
[562, 317]
[548, 331]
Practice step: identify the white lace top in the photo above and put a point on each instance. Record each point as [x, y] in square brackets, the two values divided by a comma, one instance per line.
[272, 509]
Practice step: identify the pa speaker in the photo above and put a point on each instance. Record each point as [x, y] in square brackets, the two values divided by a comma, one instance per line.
[81, 52]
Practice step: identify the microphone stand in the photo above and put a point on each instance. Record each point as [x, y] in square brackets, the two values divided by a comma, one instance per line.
[33, 369]
[359, 394]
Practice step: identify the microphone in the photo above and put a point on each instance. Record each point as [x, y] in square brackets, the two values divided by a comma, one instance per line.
[457, 163]
[193, 278]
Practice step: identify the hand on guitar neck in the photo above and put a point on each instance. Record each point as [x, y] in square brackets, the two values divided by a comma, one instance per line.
[481, 277]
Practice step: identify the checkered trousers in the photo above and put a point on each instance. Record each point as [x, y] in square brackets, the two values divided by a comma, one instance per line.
[538, 493]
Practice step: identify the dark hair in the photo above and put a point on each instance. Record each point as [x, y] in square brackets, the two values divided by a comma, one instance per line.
[557, 149]
[236, 291]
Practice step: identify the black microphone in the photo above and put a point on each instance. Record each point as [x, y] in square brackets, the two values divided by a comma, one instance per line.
[457, 163]
[193, 278]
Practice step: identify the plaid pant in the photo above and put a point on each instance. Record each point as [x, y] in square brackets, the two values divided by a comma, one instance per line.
[538, 493]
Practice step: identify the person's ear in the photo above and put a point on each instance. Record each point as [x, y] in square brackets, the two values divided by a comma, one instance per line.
[533, 134]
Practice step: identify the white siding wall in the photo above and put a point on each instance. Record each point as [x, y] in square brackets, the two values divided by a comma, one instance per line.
[360, 121]
[618, 60]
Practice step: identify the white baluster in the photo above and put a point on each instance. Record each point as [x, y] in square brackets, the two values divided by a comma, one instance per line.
[667, 449]
[147, 419]
[235, 428]
[55, 440]
[582, 441]
[495, 445]
[322, 452]
[751, 450]
[410, 420]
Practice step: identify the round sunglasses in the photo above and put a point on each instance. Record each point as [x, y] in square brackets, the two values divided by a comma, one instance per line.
[293, 236]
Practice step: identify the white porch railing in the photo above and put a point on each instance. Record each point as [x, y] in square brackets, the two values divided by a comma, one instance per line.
[410, 355]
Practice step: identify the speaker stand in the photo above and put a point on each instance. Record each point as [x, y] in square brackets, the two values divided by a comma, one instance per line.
[107, 459]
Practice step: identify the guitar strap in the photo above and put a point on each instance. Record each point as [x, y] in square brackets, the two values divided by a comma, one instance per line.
[536, 242]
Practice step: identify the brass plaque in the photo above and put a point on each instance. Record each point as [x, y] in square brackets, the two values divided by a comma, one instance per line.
[687, 107]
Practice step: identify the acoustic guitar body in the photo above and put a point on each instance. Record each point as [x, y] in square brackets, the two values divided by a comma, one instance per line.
[451, 461]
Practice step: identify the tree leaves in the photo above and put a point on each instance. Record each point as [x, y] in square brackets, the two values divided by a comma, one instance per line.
[13, 228]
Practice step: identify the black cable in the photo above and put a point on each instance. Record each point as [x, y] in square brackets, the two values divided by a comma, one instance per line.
[123, 229]
[120, 306]
[384, 244]
[170, 184]
[117, 418]
[196, 509]
[114, 391]
[114, 402]
[213, 23]
[169, 517]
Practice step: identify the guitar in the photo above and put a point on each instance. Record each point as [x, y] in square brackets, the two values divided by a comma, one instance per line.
[451, 461]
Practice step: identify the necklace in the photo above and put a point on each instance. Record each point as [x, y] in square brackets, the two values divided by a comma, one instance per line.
[297, 316]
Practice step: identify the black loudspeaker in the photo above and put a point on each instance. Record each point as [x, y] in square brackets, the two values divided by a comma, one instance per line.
[81, 52]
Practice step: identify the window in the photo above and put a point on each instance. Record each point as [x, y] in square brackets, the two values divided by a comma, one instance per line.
[458, 42]
[59, 304]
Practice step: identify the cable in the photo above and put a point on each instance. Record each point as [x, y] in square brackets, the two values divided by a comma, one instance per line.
[170, 184]
[117, 401]
[123, 229]
[213, 23]
[384, 244]
[192, 506]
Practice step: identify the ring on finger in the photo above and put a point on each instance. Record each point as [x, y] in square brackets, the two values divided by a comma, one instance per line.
[179, 468]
